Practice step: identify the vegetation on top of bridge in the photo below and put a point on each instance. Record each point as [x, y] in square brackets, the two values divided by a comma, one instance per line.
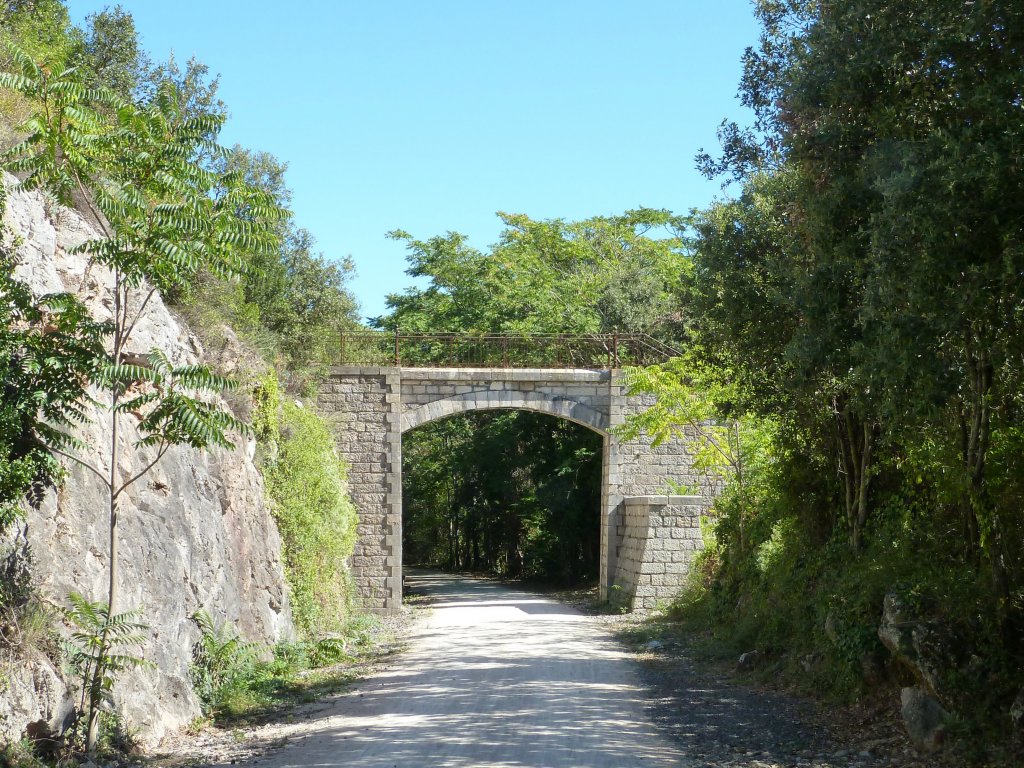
[502, 350]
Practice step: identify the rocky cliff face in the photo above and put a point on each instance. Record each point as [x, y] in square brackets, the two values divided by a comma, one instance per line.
[196, 532]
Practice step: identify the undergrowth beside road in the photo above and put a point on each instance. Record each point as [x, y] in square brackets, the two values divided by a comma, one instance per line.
[240, 683]
[683, 643]
[812, 611]
[277, 694]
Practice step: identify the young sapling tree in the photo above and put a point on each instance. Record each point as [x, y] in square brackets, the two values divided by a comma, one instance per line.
[161, 217]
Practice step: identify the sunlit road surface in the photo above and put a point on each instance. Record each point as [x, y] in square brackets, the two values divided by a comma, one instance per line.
[493, 678]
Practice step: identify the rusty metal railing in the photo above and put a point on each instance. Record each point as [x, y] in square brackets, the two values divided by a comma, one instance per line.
[501, 350]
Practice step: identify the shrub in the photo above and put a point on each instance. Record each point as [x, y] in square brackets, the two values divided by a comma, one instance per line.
[813, 606]
[99, 650]
[236, 679]
[307, 482]
[220, 660]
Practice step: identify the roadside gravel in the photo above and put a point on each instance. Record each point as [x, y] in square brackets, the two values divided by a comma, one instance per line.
[725, 720]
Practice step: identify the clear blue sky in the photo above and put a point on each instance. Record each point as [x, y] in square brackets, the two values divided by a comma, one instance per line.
[432, 116]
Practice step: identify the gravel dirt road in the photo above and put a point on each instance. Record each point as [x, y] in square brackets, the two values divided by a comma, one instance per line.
[493, 678]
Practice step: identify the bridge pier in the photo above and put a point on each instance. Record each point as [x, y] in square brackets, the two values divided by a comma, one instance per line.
[370, 407]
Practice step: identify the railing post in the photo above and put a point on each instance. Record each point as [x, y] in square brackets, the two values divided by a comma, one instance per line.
[615, 349]
[504, 351]
[342, 361]
[398, 354]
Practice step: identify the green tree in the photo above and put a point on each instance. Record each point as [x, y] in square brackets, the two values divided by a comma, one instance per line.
[42, 28]
[298, 295]
[942, 298]
[862, 291]
[546, 277]
[901, 128]
[109, 54]
[159, 224]
[512, 493]
[197, 96]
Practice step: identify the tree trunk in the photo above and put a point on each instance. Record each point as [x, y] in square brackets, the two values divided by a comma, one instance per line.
[976, 437]
[968, 513]
[855, 438]
[113, 573]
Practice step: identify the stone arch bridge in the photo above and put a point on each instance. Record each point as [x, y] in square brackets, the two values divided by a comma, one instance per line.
[389, 384]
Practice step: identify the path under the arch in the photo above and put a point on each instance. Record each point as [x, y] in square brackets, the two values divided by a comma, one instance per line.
[493, 678]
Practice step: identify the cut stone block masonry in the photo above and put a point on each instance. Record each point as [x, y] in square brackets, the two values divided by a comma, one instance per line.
[648, 535]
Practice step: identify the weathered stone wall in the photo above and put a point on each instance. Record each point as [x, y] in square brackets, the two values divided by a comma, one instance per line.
[658, 538]
[649, 470]
[363, 411]
[196, 532]
[637, 468]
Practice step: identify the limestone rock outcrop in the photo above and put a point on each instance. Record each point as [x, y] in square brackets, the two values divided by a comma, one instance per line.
[925, 719]
[34, 699]
[928, 648]
[196, 532]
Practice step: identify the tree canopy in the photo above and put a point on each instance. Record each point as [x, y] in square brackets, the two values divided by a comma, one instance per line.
[855, 303]
[592, 276]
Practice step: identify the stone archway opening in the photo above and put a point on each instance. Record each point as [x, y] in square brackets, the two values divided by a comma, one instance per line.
[647, 534]
[512, 492]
